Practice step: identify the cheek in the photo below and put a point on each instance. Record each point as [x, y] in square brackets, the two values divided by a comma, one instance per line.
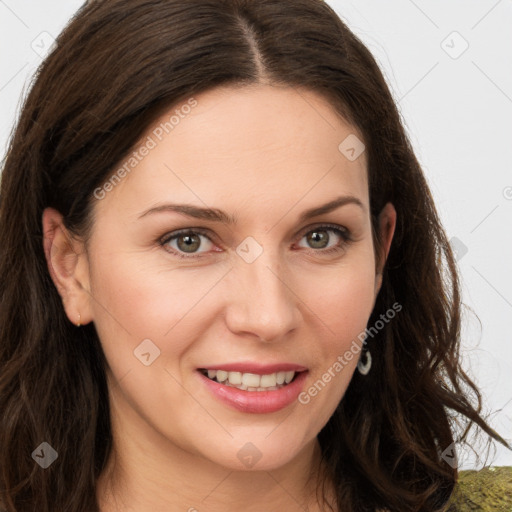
[135, 300]
[349, 301]
[342, 305]
[342, 300]
[142, 309]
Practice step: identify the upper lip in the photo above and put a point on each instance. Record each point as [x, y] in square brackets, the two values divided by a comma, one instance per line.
[256, 368]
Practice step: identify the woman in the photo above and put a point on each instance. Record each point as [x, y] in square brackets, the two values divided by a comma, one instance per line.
[224, 283]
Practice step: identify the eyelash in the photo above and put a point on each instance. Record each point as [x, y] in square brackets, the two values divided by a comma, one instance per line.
[342, 232]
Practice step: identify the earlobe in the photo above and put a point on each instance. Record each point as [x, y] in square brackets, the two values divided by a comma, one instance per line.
[63, 257]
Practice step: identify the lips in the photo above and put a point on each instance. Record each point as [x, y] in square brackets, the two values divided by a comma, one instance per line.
[255, 388]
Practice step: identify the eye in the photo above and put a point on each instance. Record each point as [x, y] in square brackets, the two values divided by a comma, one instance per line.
[185, 242]
[319, 239]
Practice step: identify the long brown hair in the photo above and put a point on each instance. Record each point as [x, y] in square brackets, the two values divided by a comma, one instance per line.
[114, 68]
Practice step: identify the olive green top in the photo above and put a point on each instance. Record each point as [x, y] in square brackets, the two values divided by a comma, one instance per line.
[487, 490]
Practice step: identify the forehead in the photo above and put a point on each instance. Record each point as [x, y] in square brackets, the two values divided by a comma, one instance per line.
[241, 143]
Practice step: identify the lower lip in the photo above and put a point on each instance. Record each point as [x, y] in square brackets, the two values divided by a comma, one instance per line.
[257, 402]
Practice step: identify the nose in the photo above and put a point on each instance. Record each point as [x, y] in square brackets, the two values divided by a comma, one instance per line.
[261, 300]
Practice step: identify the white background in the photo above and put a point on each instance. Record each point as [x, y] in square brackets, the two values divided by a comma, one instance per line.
[457, 108]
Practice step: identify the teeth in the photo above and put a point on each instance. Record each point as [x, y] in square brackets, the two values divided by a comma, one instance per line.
[222, 375]
[269, 381]
[252, 381]
[235, 378]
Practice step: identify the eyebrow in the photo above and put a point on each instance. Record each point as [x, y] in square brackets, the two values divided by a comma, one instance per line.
[216, 215]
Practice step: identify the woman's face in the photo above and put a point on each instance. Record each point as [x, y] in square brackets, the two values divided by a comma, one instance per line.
[271, 292]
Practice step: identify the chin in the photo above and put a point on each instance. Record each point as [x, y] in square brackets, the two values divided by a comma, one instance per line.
[266, 451]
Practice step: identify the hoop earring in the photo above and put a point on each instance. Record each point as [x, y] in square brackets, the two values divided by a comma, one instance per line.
[79, 318]
[364, 366]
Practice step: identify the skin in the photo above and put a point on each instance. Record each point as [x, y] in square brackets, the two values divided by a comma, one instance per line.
[264, 154]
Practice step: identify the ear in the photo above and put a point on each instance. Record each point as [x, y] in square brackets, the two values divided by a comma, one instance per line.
[387, 224]
[68, 266]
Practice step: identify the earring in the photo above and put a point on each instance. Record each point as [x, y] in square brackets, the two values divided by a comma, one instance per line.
[364, 366]
[79, 318]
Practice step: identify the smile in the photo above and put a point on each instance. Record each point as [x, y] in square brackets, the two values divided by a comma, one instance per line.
[262, 390]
